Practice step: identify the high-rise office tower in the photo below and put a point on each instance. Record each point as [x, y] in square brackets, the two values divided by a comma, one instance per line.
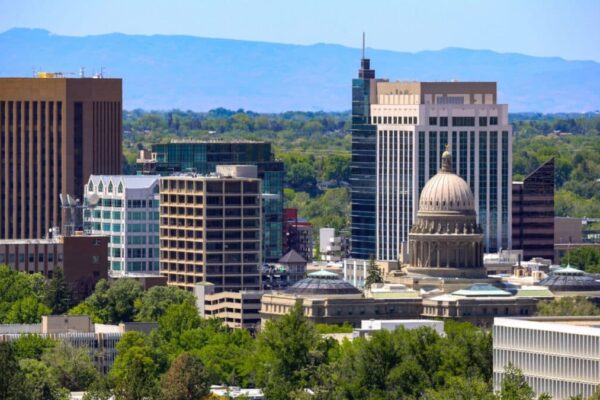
[533, 213]
[363, 164]
[210, 229]
[202, 157]
[126, 209]
[54, 133]
[399, 131]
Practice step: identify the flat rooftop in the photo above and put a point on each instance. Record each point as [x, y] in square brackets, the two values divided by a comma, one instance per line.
[573, 325]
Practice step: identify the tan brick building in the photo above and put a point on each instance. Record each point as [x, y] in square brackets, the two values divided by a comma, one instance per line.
[210, 229]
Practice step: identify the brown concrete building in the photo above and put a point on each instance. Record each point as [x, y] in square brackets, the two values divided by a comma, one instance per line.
[327, 299]
[533, 213]
[210, 229]
[568, 230]
[84, 259]
[54, 133]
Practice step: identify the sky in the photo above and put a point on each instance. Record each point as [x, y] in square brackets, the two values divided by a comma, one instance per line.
[562, 28]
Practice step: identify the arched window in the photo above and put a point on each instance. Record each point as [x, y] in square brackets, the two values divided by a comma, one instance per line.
[110, 187]
[120, 188]
[100, 187]
[91, 186]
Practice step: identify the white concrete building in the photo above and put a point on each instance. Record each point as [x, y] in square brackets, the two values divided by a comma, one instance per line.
[367, 327]
[557, 355]
[126, 208]
[415, 121]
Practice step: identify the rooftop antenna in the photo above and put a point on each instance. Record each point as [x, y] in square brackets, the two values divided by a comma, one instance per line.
[363, 46]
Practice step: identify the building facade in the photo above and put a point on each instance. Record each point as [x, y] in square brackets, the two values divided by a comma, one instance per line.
[533, 213]
[126, 209]
[557, 355]
[297, 234]
[363, 172]
[406, 127]
[236, 309]
[204, 156]
[54, 133]
[100, 340]
[210, 229]
[327, 299]
[83, 258]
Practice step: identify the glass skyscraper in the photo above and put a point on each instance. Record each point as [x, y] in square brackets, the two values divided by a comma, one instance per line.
[203, 157]
[363, 176]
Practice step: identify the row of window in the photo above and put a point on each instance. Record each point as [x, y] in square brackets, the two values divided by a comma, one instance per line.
[393, 120]
[463, 121]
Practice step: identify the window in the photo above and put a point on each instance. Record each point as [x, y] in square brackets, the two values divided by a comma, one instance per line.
[482, 121]
[463, 121]
[443, 121]
[493, 120]
[432, 120]
[91, 187]
[100, 187]
[120, 188]
[110, 187]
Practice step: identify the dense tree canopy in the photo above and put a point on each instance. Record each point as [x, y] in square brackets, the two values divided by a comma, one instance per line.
[584, 258]
[566, 307]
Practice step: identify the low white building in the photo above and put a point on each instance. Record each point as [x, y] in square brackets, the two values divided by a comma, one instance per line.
[126, 209]
[367, 327]
[557, 355]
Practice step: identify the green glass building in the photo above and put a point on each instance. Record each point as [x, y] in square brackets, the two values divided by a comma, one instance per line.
[203, 157]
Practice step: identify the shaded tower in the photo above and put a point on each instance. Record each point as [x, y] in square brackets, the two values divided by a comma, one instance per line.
[363, 165]
[533, 213]
[54, 133]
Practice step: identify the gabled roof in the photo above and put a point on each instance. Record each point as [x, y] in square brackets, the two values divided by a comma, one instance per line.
[292, 257]
[129, 181]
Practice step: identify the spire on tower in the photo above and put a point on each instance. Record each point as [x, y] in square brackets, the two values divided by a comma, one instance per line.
[365, 71]
[363, 47]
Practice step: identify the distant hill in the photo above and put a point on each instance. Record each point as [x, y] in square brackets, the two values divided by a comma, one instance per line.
[165, 72]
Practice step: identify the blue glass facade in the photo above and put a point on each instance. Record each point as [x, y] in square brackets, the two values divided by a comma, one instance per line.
[203, 158]
[363, 167]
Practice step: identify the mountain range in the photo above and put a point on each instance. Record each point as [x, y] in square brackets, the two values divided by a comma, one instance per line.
[194, 73]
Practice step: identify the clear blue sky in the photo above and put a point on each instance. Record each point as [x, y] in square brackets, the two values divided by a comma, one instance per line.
[564, 28]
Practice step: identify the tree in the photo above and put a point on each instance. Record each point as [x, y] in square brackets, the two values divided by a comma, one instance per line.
[71, 366]
[285, 350]
[515, 387]
[158, 299]
[373, 274]
[186, 379]
[461, 388]
[100, 389]
[11, 378]
[585, 258]
[31, 346]
[40, 383]
[111, 302]
[178, 319]
[567, 306]
[134, 371]
[27, 310]
[15, 286]
[57, 294]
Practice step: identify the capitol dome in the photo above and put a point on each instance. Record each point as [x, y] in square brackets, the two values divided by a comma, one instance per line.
[446, 191]
[446, 240]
